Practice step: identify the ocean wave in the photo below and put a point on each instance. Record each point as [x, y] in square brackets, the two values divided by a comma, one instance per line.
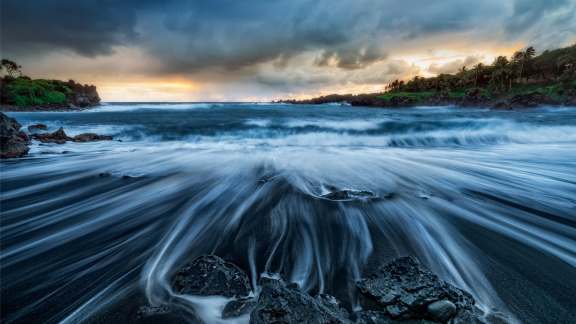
[117, 107]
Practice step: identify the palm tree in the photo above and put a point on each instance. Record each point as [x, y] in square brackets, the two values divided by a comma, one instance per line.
[524, 59]
[477, 72]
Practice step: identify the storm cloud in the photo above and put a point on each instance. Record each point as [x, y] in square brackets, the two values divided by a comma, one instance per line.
[237, 38]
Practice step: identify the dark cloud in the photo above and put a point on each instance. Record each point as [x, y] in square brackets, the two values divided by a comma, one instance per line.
[88, 27]
[232, 37]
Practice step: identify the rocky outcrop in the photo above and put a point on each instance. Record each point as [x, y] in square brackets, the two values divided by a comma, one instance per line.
[13, 142]
[60, 137]
[82, 95]
[210, 275]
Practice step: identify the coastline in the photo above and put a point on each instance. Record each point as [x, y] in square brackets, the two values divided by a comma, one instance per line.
[472, 98]
[56, 108]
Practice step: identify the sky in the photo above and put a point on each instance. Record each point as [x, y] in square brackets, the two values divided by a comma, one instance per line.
[259, 50]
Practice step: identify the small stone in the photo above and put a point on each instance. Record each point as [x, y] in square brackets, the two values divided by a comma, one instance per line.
[238, 307]
[442, 310]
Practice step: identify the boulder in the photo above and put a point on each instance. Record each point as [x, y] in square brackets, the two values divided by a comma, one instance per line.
[210, 275]
[403, 289]
[13, 142]
[281, 303]
[91, 137]
[58, 137]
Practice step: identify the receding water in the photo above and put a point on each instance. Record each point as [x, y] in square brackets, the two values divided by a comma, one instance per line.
[486, 199]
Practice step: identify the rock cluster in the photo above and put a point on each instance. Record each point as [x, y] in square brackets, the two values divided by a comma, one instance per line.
[13, 142]
[401, 291]
[60, 137]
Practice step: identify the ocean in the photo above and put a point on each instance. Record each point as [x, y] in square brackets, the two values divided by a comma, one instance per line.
[484, 198]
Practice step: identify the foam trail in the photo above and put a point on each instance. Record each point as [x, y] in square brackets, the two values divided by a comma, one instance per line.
[485, 202]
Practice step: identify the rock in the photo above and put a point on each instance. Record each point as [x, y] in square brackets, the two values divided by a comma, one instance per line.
[441, 310]
[83, 95]
[13, 142]
[238, 307]
[476, 316]
[58, 137]
[347, 195]
[279, 303]
[37, 127]
[403, 289]
[209, 275]
[91, 137]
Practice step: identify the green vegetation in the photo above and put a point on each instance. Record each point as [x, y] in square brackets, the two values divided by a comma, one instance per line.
[24, 92]
[553, 73]
[417, 96]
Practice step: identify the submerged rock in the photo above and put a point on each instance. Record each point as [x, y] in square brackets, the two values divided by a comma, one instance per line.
[91, 137]
[13, 142]
[281, 303]
[347, 195]
[210, 275]
[404, 290]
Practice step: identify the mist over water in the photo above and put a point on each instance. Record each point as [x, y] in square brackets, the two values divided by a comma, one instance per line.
[486, 199]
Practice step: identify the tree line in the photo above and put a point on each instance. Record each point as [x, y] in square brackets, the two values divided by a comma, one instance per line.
[523, 67]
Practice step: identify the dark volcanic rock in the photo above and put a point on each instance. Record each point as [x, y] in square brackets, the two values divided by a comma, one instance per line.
[37, 127]
[404, 290]
[91, 137]
[13, 142]
[346, 195]
[238, 307]
[58, 137]
[279, 303]
[209, 275]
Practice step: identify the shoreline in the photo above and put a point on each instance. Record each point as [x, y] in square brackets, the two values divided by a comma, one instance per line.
[11, 108]
[416, 99]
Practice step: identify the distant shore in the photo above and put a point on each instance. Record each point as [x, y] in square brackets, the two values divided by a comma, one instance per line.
[521, 81]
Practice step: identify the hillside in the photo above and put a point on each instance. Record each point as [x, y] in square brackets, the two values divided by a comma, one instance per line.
[521, 80]
[18, 92]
